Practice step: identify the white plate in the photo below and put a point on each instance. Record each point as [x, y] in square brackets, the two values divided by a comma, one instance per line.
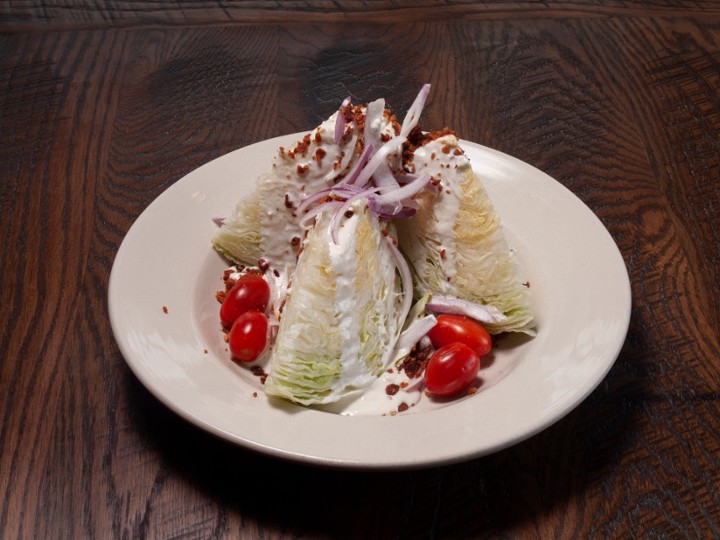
[581, 298]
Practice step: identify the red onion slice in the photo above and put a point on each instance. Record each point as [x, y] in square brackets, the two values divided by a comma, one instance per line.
[413, 334]
[340, 121]
[307, 220]
[379, 157]
[457, 306]
[406, 278]
[373, 122]
[383, 177]
[359, 165]
[413, 115]
[408, 190]
[408, 208]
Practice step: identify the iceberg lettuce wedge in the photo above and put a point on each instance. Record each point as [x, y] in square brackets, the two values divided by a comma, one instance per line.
[343, 313]
[455, 243]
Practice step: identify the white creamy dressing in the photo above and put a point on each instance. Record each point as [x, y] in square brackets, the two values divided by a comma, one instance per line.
[343, 257]
[286, 187]
[448, 168]
[376, 400]
[299, 174]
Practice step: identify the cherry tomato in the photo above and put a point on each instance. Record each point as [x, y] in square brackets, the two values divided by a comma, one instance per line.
[452, 328]
[248, 336]
[251, 292]
[451, 369]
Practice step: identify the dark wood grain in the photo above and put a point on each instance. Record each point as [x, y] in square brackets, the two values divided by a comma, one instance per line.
[103, 107]
[83, 14]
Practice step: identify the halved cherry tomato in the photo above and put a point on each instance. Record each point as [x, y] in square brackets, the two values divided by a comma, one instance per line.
[248, 336]
[251, 292]
[451, 369]
[452, 328]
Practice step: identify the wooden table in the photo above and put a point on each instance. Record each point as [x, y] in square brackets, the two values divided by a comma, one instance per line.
[102, 108]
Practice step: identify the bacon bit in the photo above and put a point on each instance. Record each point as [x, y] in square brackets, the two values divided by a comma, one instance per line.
[254, 394]
[414, 363]
[276, 273]
[319, 154]
[336, 165]
[282, 150]
[392, 389]
[384, 137]
[432, 156]
[288, 202]
[165, 310]
[349, 214]
[302, 169]
[205, 351]
[446, 149]
[471, 390]
[318, 137]
[301, 147]
[220, 296]
[258, 371]
[226, 338]
[442, 253]
[282, 306]
[527, 284]
[457, 152]
[393, 122]
[403, 407]
[295, 241]
[263, 265]
[404, 384]
[384, 232]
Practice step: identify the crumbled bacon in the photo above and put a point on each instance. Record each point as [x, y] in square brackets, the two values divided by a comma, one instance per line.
[414, 363]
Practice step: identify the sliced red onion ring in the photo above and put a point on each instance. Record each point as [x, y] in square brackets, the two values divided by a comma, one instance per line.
[340, 121]
[412, 334]
[384, 177]
[359, 164]
[343, 191]
[413, 115]
[379, 157]
[307, 220]
[404, 178]
[307, 202]
[406, 278]
[408, 190]
[393, 211]
[457, 306]
[373, 122]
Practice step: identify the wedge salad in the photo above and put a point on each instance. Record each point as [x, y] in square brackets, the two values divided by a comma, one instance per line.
[370, 248]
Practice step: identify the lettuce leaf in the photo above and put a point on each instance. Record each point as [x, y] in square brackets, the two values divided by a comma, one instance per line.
[455, 242]
[342, 316]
